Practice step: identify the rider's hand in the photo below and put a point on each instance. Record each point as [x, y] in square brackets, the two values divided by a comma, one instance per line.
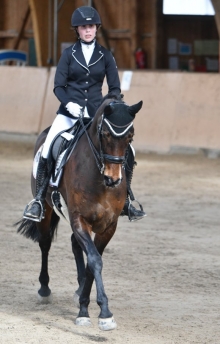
[74, 109]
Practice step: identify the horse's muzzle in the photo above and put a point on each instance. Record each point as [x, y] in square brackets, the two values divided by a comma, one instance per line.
[112, 183]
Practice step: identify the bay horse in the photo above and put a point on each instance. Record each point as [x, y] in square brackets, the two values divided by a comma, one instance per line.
[93, 186]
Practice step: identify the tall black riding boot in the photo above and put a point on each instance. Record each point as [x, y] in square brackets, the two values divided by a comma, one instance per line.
[129, 210]
[35, 209]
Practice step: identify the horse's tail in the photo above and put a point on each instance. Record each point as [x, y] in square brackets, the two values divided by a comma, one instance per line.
[29, 229]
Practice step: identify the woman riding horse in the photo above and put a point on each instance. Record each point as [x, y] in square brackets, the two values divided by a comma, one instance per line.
[78, 84]
[94, 200]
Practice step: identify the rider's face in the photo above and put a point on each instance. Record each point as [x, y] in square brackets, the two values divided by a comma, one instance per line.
[87, 32]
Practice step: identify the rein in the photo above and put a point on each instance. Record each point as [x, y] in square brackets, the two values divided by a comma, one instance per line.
[101, 157]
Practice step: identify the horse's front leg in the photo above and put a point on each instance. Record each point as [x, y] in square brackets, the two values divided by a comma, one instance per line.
[93, 271]
[80, 264]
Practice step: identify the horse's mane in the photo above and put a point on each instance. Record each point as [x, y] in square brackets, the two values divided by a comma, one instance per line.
[112, 96]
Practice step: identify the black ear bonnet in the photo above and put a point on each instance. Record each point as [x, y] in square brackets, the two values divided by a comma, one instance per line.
[119, 117]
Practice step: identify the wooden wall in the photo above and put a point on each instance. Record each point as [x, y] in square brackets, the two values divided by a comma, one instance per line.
[12, 15]
[180, 110]
[216, 5]
[126, 26]
[147, 30]
[129, 25]
[119, 25]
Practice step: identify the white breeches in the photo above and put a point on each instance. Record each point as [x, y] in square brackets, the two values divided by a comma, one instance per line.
[60, 123]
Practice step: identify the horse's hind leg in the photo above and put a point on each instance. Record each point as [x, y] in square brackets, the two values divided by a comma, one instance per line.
[45, 226]
[44, 293]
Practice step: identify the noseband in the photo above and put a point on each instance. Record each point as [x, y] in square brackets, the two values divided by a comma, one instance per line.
[100, 156]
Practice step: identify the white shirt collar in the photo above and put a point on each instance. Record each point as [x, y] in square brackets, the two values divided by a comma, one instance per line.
[87, 50]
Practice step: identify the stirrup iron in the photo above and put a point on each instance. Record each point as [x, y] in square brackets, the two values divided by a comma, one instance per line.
[132, 218]
[29, 217]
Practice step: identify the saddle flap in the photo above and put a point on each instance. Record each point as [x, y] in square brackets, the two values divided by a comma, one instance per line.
[61, 142]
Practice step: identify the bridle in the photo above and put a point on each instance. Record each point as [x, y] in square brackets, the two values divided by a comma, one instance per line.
[100, 156]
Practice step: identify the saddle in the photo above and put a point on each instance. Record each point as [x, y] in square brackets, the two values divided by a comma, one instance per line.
[60, 150]
[63, 145]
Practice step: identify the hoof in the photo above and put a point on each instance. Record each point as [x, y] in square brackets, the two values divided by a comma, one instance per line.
[76, 300]
[45, 299]
[83, 321]
[107, 324]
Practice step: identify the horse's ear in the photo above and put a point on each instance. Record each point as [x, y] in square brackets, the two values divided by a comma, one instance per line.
[108, 109]
[133, 109]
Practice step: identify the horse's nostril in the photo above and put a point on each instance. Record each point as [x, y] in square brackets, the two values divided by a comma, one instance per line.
[117, 182]
[110, 182]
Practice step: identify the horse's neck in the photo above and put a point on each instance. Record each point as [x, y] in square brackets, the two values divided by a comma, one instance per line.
[93, 134]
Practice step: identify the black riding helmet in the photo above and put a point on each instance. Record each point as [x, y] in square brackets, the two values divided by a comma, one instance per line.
[85, 15]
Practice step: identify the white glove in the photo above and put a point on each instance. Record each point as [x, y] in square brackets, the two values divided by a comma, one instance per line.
[74, 109]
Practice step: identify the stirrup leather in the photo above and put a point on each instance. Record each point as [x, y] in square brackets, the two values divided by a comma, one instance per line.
[29, 217]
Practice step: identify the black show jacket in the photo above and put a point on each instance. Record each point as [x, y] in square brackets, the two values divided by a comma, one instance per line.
[77, 82]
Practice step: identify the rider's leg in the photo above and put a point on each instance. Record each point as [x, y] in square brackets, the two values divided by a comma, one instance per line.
[35, 211]
[129, 209]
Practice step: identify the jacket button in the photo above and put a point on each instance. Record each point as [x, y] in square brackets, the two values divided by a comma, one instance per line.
[87, 74]
[86, 82]
[86, 100]
[85, 90]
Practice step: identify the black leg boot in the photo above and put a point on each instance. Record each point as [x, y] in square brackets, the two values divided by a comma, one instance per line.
[129, 210]
[35, 209]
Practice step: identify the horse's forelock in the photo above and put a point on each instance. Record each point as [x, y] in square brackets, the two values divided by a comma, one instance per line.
[106, 102]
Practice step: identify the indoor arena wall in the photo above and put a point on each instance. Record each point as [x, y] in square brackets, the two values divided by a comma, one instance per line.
[179, 109]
